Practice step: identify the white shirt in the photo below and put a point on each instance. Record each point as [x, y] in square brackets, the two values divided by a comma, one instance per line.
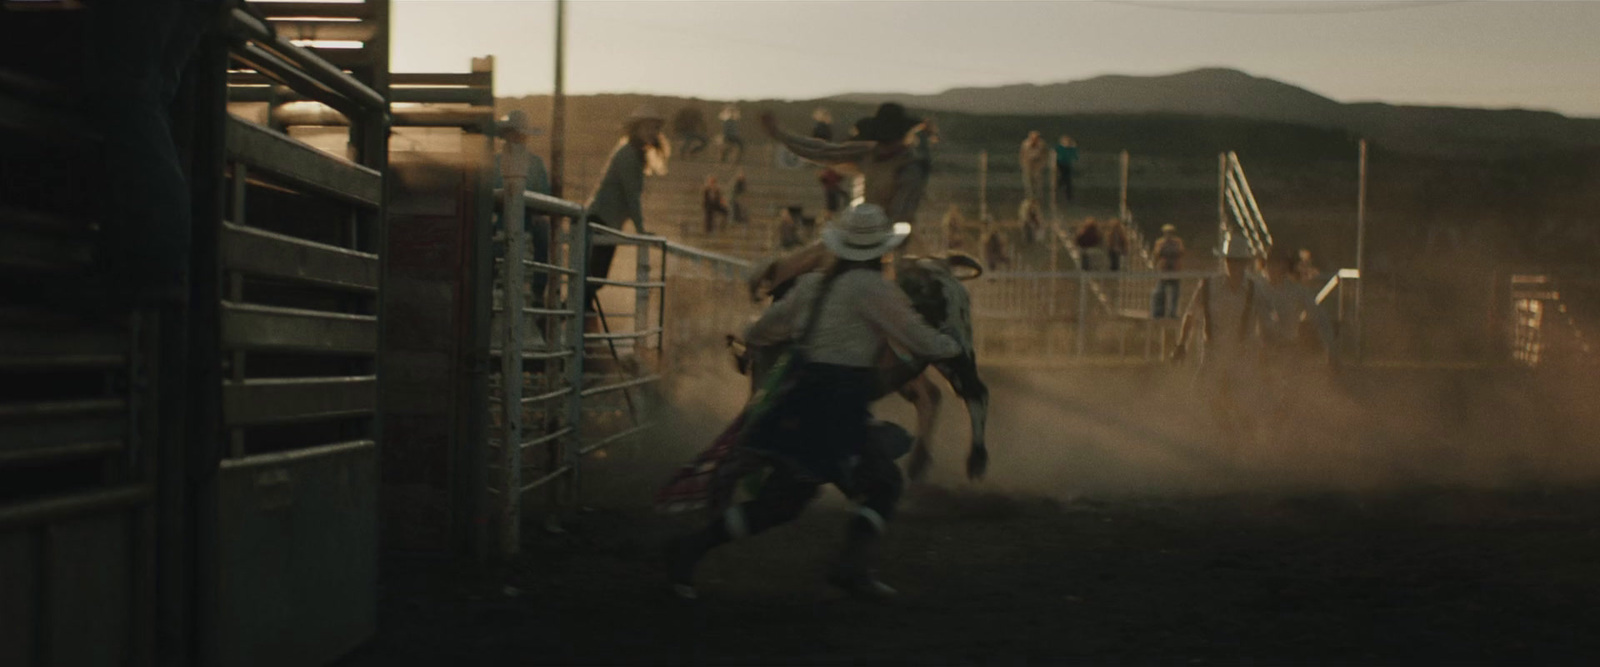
[861, 313]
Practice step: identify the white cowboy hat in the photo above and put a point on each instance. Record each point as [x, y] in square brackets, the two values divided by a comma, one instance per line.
[864, 232]
[1234, 247]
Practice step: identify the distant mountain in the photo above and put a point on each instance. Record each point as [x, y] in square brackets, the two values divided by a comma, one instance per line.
[1231, 93]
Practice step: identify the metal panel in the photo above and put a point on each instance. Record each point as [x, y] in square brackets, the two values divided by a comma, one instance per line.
[301, 164]
[264, 253]
[252, 327]
[90, 590]
[299, 540]
[297, 399]
[19, 592]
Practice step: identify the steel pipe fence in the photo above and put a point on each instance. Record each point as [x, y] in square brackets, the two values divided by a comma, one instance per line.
[1077, 316]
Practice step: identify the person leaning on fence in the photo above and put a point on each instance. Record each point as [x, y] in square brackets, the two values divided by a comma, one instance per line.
[818, 427]
[1116, 244]
[1168, 251]
[619, 197]
[1088, 239]
[515, 128]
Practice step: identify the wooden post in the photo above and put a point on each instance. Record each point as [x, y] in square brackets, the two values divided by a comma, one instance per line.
[1122, 190]
[1361, 242]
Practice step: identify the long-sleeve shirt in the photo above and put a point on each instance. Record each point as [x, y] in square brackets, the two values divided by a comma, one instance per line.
[619, 195]
[862, 312]
[876, 166]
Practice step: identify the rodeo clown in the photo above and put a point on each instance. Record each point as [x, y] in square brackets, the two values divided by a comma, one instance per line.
[812, 425]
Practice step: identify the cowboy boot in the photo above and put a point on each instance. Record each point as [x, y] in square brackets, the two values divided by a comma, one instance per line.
[852, 573]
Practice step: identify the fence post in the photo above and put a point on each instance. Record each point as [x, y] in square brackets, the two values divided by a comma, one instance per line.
[1083, 311]
[641, 299]
[983, 186]
[513, 171]
[577, 290]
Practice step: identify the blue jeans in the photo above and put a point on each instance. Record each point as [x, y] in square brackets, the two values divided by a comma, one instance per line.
[1168, 287]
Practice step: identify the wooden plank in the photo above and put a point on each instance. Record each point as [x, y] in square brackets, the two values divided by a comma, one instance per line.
[20, 350]
[253, 327]
[357, 31]
[260, 252]
[279, 400]
[471, 79]
[299, 163]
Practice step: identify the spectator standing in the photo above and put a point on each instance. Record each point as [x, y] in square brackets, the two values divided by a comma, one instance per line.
[736, 201]
[1088, 239]
[1066, 156]
[689, 124]
[788, 231]
[514, 127]
[619, 196]
[832, 190]
[713, 204]
[994, 249]
[1168, 251]
[1032, 221]
[731, 141]
[1032, 158]
[1116, 244]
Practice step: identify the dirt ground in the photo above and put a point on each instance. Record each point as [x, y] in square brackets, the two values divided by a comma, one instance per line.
[1103, 537]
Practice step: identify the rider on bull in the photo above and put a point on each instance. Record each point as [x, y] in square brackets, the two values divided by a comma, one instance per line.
[885, 149]
[821, 430]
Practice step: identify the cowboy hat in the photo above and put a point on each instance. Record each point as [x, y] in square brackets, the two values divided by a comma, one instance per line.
[645, 112]
[864, 232]
[1169, 228]
[516, 122]
[889, 123]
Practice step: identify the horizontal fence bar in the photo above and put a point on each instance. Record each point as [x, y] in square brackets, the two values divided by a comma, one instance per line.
[635, 238]
[540, 266]
[258, 251]
[606, 441]
[626, 283]
[241, 23]
[297, 455]
[280, 155]
[618, 386]
[551, 312]
[549, 395]
[622, 336]
[543, 203]
[279, 400]
[75, 450]
[705, 255]
[47, 409]
[546, 479]
[256, 327]
[548, 437]
[536, 355]
[52, 509]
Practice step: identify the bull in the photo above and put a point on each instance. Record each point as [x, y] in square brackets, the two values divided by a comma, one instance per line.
[936, 293]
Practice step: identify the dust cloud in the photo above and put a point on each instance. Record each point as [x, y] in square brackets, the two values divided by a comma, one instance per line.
[1101, 432]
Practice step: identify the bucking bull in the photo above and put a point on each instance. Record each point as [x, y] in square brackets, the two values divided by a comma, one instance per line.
[937, 294]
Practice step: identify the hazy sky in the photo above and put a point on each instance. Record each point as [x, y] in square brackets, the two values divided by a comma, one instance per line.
[1496, 53]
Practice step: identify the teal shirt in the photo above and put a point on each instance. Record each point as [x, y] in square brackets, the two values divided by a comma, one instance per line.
[1066, 154]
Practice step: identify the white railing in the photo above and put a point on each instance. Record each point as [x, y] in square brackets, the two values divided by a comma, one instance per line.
[1241, 202]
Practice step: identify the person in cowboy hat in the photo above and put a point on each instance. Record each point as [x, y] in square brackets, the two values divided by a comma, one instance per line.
[820, 430]
[619, 196]
[1223, 313]
[883, 150]
[1168, 251]
[514, 127]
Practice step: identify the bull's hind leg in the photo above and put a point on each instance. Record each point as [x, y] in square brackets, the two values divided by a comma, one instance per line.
[962, 373]
[923, 393]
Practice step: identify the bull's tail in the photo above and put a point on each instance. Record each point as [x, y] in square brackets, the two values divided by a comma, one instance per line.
[964, 260]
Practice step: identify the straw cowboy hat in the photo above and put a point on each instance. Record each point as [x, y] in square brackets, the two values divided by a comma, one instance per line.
[1234, 247]
[1169, 228]
[864, 233]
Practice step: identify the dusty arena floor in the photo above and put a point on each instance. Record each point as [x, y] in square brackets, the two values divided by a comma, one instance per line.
[1100, 539]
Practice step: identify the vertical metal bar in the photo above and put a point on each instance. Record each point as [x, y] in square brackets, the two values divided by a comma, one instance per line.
[513, 170]
[577, 288]
[661, 310]
[1222, 194]
[641, 297]
[558, 109]
[1122, 189]
[1361, 243]
[983, 187]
